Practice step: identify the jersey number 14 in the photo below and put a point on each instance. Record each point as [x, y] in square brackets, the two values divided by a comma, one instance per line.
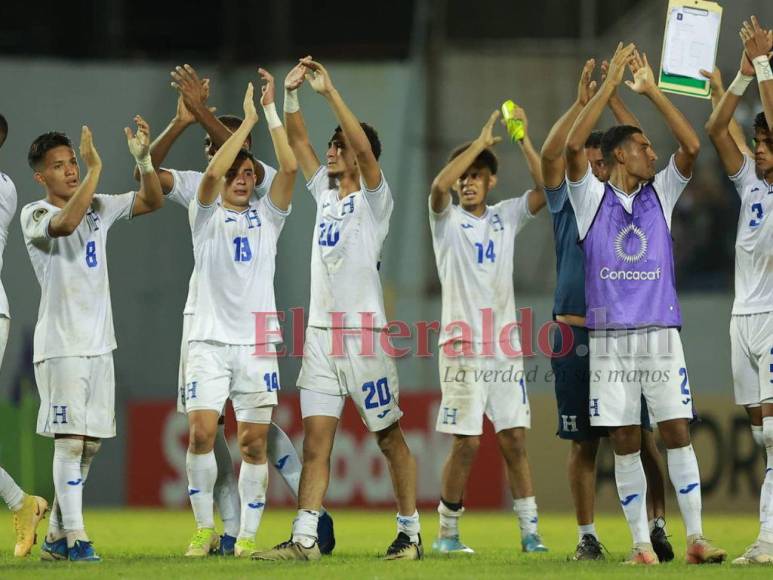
[485, 253]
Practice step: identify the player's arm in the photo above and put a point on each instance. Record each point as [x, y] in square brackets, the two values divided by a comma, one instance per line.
[281, 192]
[211, 182]
[622, 113]
[576, 159]
[320, 81]
[552, 153]
[440, 192]
[297, 135]
[718, 90]
[150, 196]
[758, 44]
[66, 221]
[536, 199]
[194, 92]
[644, 84]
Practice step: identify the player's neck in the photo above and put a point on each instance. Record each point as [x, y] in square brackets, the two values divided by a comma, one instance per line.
[624, 181]
[55, 200]
[347, 183]
[476, 210]
[232, 207]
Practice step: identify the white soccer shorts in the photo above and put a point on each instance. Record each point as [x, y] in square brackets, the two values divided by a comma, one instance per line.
[187, 322]
[474, 386]
[217, 372]
[751, 348]
[369, 379]
[77, 396]
[626, 364]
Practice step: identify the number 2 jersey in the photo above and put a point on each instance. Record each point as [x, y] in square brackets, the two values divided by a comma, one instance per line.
[75, 317]
[474, 257]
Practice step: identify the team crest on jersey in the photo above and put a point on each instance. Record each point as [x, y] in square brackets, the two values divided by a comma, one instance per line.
[92, 218]
[496, 223]
[631, 244]
[38, 214]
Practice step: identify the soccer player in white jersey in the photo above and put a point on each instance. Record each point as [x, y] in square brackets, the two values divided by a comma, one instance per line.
[474, 245]
[354, 204]
[751, 323]
[632, 309]
[66, 235]
[27, 510]
[234, 244]
[181, 187]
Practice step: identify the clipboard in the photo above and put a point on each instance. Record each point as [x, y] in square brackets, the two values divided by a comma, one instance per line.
[679, 83]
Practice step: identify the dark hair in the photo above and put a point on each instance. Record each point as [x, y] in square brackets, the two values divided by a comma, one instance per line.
[232, 122]
[371, 134]
[240, 157]
[614, 138]
[44, 144]
[761, 123]
[486, 158]
[3, 130]
[594, 140]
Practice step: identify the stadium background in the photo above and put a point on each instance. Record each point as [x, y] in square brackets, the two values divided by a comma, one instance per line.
[426, 74]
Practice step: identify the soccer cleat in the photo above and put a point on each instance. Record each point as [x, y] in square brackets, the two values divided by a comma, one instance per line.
[56, 550]
[701, 551]
[25, 521]
[589, 548]
[326, 534]
[758, 553]
[290, 550]
[661, 545]
[244, 548]
[227, 545]
[532, 543]
[451, 545]
[403, 549]
[642, 555]
[203, 543]
[82, 551]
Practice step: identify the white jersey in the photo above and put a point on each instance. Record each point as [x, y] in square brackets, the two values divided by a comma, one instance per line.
[186, 185]
[75, 317]
[346, 252]
[474, 257]
[7, 209]
[753, 242]
[235, 262]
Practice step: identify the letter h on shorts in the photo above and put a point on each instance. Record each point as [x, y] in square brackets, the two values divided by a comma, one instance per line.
[449, 416]
[60, 414]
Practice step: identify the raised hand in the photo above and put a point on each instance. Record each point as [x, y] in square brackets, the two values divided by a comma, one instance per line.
[487, 137]
[250, 113]
[715, 79]
[643, 77]
[193, 90]
[88, 151]
[586, 87]
[296, 76]
[267, 90]
[139, 143]
[756, 40]
[318, 77]
[616, 68]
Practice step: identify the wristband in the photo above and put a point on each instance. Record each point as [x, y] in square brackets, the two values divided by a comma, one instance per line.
[271, 116]
[739, 84]
[145, 165]
[291, 104]
[762, 68]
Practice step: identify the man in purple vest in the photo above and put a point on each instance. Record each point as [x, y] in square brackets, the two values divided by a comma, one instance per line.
[632, 309]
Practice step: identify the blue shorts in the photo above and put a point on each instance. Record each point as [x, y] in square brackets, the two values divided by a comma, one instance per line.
[572, 383]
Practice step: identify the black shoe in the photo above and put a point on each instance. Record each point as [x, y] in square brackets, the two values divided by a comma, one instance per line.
[589, 548]
[661, 545]
[325, 534]
[403, 549]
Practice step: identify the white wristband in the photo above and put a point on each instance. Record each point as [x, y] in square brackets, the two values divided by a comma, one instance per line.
[145, 165]
[739, 84]
[762, 68]
[272, 118]
[291, 104]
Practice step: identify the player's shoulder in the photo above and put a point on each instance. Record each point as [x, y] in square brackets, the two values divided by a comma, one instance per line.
[6, 183]
[40, 204]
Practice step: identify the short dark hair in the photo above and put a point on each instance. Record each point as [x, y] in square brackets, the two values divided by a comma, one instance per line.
[594, 140]
[371, 134]
[44, 144]
[3, 130]
[614, 138]
[232, 122]
[761, 123]
[486, 158]
[240, 157]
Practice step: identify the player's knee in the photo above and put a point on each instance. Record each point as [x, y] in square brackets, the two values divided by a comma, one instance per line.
[390, 440]
[201, 439]
[584, 451]
[466, 446]
[512, 441]
[90, 449]
[253, 448]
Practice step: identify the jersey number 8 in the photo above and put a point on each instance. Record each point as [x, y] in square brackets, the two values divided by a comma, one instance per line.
[91, 254]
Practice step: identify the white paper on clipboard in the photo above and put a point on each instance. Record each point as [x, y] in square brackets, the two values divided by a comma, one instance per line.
[691, 40]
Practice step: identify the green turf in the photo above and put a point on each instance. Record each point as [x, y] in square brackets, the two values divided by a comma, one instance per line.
[149, 545]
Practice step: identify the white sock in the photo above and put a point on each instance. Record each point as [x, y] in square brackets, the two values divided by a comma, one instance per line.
[284, 457]
[589, 529]
[10, 492]
[684, 475]
[305, 527]
[90, 450]
[55, 526]
[757, 435]
[766, 493]
[632, 490]
[226, 491]
[409, 525]
[202, 473]
[449, 520]
[68, 483]
[526, 510]
[253, 481]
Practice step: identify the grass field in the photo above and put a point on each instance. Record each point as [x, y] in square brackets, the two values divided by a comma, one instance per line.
[149, 544]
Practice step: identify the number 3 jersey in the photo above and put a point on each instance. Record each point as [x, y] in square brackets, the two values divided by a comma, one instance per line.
[474, 257]
[234, 256]
[75, 317]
